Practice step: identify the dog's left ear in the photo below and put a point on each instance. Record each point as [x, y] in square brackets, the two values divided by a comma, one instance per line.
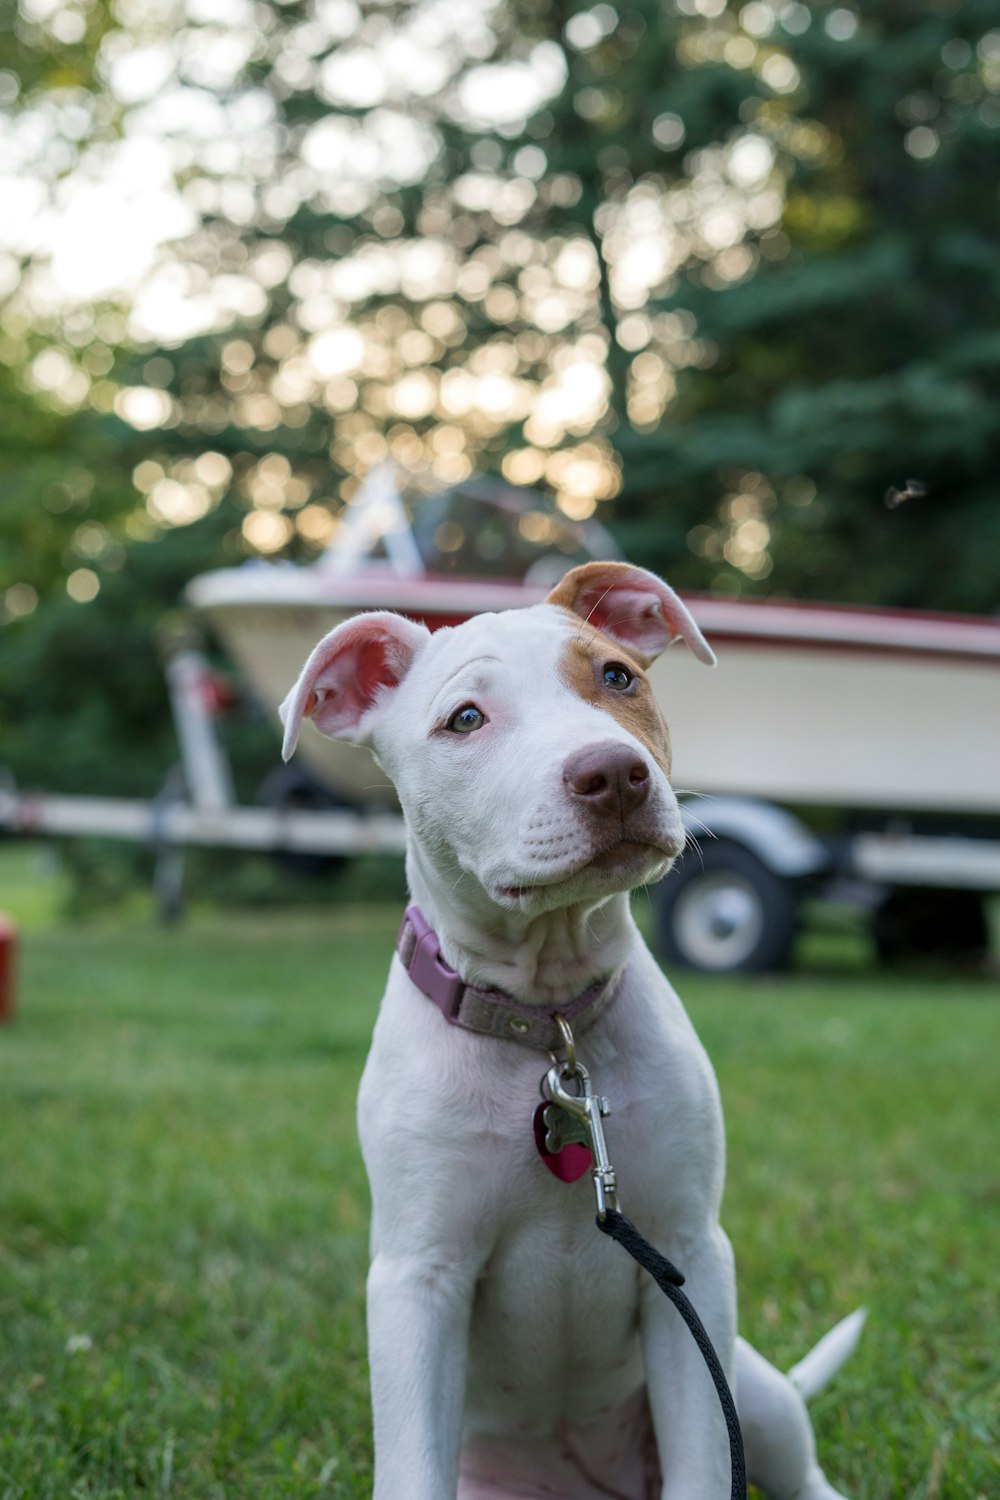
[634, 606]
[348, 674]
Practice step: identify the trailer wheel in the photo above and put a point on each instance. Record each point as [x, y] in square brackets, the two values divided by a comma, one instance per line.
[920, 923]
[293, 790]
[725, 913]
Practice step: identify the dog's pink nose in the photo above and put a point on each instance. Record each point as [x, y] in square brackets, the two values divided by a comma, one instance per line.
[609, 777]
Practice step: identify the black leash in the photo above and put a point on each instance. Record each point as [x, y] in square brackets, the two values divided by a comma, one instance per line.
[670, 1281]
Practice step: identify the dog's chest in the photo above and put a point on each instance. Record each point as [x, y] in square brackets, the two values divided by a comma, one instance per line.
[554, 1330]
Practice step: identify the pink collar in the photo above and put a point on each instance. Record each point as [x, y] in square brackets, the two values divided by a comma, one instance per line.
[490, 1012]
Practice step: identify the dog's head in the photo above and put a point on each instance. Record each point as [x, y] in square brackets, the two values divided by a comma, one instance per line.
[527, 749]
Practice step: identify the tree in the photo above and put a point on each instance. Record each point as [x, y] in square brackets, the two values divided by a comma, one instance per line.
[724, 271]
[858, 351]
[86, 587]
[730, 263]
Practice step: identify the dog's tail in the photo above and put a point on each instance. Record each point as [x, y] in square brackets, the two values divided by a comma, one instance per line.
[821, 1364]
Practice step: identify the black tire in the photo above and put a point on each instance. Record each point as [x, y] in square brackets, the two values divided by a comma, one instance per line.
[291, 789]
[723, 912]
[918, 922]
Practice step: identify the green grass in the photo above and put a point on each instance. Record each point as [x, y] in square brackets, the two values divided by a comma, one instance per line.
[183, 1209]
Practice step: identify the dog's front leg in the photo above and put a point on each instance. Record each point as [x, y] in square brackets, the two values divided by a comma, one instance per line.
[690, 1428]
[418, 1324]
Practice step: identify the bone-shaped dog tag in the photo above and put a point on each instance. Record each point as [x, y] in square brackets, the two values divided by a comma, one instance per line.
[562, 1143]
[562, 1129]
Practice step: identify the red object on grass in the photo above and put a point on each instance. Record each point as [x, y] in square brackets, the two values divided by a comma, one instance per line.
[8, 943]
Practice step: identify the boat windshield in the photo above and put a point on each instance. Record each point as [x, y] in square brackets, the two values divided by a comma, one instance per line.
[482, 528]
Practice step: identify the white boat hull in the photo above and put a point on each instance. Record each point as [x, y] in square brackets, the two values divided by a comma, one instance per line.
[808, 705]
[829, 727]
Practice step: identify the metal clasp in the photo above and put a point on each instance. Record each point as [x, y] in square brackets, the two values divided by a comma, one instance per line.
[589, 1108]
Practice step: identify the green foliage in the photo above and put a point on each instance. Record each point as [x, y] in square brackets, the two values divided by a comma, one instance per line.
[56, 58]
[82, 696]
[859, 353]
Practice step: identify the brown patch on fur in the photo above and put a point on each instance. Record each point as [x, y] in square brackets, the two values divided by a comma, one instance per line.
[568, 589]
[566, 594]
[583, 662]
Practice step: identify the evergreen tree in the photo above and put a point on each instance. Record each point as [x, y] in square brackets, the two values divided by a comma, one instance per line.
[724, 273]
[737, 268]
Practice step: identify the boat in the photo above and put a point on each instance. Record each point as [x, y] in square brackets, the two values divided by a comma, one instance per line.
[810, 704]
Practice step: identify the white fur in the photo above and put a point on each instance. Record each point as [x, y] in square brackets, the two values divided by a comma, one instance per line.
[813, 1373]
[514, 1349]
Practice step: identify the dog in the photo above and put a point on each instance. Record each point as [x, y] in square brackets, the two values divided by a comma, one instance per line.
[514, 1350]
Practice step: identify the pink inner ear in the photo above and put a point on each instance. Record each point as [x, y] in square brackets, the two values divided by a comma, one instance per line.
[352, 693]
[629, 615]
[378, 667]
[632, 605]
[344, 676]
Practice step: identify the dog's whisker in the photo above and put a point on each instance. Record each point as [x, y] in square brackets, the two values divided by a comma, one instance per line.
[708, 832]
[692, 840]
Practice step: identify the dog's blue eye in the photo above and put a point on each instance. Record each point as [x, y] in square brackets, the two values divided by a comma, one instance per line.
[467, 719]
[617, 676]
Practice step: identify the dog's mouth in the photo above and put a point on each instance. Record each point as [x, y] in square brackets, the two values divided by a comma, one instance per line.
[624, 857]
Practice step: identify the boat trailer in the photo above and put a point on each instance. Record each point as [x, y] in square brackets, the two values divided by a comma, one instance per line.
[198, 806]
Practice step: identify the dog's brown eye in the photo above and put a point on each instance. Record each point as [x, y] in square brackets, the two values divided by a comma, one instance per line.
[617, 676]
[467, 719]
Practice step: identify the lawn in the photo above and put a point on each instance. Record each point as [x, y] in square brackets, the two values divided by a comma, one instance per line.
[183, 1209]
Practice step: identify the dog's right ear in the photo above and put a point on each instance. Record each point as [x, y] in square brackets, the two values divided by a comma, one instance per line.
[348, 674]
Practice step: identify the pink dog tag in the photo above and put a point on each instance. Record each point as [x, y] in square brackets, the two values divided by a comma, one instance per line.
[571, 1161]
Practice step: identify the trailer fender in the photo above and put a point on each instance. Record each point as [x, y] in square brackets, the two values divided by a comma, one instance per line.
[782, 843]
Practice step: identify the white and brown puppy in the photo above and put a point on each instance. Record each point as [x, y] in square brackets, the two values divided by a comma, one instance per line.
[514, 1350]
